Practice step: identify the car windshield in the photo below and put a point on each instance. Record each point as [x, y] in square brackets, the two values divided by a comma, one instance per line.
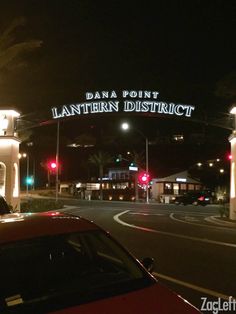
[59, 271]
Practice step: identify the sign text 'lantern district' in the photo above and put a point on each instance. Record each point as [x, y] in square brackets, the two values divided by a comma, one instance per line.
[132, 101]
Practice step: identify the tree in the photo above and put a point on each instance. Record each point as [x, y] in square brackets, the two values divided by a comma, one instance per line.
[226, 87]
[100, 160]
[10, 50]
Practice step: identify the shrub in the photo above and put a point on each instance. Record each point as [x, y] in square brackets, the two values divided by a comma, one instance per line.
[224, 211]
[40, 205]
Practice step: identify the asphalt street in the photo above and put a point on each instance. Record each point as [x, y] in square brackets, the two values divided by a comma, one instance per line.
[194, 255]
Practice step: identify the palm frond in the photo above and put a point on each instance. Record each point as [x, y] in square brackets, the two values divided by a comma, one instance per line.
[12, 52]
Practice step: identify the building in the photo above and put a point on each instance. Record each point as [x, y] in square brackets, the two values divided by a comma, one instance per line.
[165, 189]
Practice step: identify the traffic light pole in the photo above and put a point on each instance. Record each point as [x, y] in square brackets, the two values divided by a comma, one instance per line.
[57, 157]
[147, 190]
[27, 174]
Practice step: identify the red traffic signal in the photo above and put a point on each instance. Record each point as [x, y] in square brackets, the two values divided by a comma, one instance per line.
[144, 178]
[52, 165]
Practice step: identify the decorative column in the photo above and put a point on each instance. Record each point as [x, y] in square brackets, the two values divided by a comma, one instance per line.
[232, 207]
[9, 161]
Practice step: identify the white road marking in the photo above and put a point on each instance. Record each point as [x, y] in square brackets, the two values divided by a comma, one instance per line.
[191, 219]
[187, 222]
[146, 214]
[217, 225]
[194, 287]
[175, 235]
[215, 220]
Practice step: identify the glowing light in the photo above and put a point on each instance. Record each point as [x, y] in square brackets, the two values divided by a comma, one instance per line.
[53, 165]
[222, 171]
[233, 110]
[210, 164]
[125, 126]
[199, 164]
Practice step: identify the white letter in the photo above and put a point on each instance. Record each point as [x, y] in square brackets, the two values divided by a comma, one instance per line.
[147, 94]
[105, 95]
[89, 96]
[144, 106]
[189, 111]
[114, 106]
[155, 94]
[75, 109]
[129, 106]
[54, 113]
[97, 95]
[133, 94]
[177, 112]
[95, 107]
[65, 112]
[113, 94]
[125, 93]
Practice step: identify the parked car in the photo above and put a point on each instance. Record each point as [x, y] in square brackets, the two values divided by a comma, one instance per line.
[194, 198]
[58, 263]
[4, 208]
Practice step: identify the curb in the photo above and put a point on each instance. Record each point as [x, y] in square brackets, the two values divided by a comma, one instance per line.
[216, 220]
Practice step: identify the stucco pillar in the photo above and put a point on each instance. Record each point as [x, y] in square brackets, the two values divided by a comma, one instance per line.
[232, 207]
[9, 161]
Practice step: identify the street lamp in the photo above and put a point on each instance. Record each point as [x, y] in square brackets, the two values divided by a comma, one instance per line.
[232, 140]
[125, 126]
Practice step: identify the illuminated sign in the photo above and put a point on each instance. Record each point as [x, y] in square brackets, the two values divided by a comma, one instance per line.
[128, 101]
[181, 180]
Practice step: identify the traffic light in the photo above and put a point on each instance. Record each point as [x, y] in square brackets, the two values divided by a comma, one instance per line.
[144, 178]
[52, 166]
[119, 158]
[133, 166]
[29, 180]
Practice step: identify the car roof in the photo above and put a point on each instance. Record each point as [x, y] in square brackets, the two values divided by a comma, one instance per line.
[20, 226]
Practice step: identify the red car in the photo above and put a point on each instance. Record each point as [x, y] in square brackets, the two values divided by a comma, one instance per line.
[63, 264]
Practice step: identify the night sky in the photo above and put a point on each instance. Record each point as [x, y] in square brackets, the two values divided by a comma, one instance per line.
[183, 49]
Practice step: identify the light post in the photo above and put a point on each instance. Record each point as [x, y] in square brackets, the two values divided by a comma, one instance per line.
[24, 155]
[125, 126]
[57, 159]
[232, 140]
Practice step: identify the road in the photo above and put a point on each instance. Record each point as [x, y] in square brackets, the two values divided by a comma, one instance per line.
[194, 256]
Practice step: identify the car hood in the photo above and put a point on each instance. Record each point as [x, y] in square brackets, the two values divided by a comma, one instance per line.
[152, 300]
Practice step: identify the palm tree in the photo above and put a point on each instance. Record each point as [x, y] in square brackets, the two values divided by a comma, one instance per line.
[10, 50]
[100, 160]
